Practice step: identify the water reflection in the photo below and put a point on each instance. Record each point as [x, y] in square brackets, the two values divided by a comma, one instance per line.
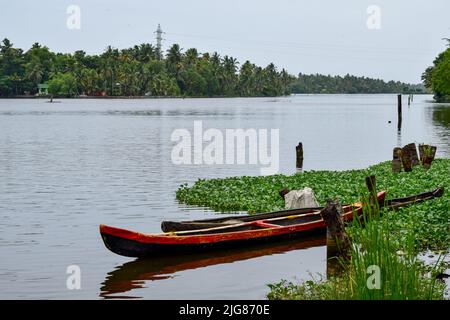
[441, 115]
[440, 118]
[399, 138]
[133, 275]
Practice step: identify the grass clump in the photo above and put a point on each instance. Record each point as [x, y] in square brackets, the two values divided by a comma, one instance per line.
[379, 268]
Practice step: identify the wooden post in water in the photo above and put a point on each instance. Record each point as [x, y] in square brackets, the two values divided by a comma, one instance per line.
[399, 112]
[299, 155]
[396, 160]
[338, 242]
[409, 100]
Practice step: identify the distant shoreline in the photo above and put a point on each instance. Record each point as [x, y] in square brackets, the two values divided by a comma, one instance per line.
[194, 97]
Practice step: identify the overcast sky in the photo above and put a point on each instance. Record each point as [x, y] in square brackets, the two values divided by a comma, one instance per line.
[320, 36]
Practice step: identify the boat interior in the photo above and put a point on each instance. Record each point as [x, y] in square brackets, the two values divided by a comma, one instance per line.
[255, 225]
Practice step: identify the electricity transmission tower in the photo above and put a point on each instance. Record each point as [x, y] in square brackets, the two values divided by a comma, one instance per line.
[159, 39]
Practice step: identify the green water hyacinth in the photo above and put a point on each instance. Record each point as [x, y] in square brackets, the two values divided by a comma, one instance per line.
[429, 220]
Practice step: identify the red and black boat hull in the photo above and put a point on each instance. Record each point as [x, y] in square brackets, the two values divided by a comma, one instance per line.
[132, 248]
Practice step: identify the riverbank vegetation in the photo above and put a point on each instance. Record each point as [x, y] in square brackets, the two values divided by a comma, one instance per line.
[317, 83]
[137, 71]
[437, 77]
[144, 71]
[392, 240]
[379, 268]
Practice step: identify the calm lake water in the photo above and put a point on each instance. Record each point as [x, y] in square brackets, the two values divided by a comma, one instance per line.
[67, 167]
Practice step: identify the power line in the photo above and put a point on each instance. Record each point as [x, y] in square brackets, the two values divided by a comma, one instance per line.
[305, 45]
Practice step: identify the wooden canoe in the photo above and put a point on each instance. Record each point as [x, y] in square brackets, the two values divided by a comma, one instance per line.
[171, 226]
[135, 244]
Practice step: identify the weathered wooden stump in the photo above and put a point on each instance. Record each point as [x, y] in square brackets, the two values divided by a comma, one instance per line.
[396, 160]
[338, 242]
[412, 151]
[406, 160]
[299, 155]
[427, 154]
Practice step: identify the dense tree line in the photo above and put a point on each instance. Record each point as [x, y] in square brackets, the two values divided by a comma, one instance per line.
[317, 83]
[142, 70]
[137, 71]
[437, 77]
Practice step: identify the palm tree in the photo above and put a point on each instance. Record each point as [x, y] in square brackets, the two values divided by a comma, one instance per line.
[109, 64]
[174, 56]
[206, 56]
[11, 58]
[144, 52]
[246, 79]
[286, 81]
[191, 56]
[89, 81]
[229, 74]
[215, 59]
[34, 71]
